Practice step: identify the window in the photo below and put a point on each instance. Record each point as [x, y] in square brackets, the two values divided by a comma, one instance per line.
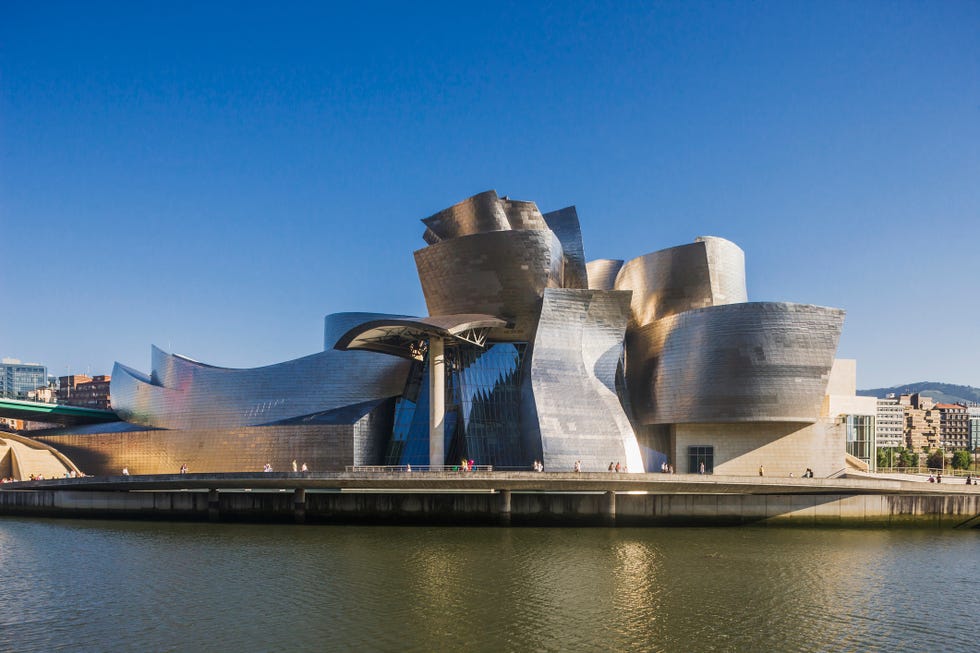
[698, 455]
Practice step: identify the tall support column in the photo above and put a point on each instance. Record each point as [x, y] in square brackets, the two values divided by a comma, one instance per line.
[437, 401]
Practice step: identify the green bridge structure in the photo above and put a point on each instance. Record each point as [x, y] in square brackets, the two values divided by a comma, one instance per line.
[34, 411]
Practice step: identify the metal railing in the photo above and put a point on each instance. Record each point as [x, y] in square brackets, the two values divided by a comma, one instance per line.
[926, 471]
[388, 469]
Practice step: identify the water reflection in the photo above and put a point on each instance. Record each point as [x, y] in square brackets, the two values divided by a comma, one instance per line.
[104, 586]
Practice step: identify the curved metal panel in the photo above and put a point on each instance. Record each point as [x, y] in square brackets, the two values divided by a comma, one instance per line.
[400, 337]
[565, 224]
[523, 215]
[726, 268]
[481, 213]
[182, 393]
[602, 273]
[750, 362]
[577, 348]
[708, 272]
[503, 273]
[335, 325]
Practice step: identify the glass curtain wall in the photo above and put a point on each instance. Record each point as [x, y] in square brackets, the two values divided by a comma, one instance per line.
[482, 409]
[860, 437]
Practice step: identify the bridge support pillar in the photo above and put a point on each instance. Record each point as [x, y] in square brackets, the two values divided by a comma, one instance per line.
[299, 505]
[214, 514]
[503, 507]
[609, 508]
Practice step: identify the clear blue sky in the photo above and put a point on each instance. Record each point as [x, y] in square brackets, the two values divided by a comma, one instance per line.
[215, 179]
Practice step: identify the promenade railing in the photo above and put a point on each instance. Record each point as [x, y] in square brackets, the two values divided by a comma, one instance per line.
[418, 468]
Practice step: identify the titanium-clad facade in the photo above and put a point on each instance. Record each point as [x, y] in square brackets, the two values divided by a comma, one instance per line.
[564, 223]
[537, 354]
[707, 272]
[181, 393]
[602, 273]
[750, 362]
[577, 349]
[501, 273]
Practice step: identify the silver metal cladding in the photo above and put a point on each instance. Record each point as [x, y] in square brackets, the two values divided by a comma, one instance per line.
[478, 214]
[708, 272]
[502, 273]
[577, 348]
[749, 362]
[602, 273]
[565, 224]
[186, 394]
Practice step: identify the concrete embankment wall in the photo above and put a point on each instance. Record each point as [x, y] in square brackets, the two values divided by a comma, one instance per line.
[927, 511]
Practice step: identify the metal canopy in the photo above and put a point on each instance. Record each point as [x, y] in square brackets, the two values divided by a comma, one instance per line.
[408, 337]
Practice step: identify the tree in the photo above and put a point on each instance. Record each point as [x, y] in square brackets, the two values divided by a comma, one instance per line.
[908, 458]
[883, 457]
[936, 459]
[961, 460]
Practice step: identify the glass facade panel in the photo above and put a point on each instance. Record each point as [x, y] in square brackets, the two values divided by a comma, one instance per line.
[482, 409]
[700, 455]
[860, 436]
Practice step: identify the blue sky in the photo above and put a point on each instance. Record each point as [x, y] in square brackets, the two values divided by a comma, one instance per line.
[215, 179]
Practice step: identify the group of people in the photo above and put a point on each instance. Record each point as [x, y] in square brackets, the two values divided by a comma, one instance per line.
[665, 468]
[616, 467]
[538, 466]
[71, 473]
[301, 468]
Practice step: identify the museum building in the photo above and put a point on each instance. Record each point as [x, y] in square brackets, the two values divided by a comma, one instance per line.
[529, 352]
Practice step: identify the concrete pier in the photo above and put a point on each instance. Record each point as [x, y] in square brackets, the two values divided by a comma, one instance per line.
[299, 505]
[515, 498]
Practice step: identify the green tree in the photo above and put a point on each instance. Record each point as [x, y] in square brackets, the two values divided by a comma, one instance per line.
[961, 460]
[883, 457]
[908, 458]
[935, 459]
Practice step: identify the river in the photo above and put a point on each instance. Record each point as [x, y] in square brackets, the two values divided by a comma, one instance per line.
[149, 586]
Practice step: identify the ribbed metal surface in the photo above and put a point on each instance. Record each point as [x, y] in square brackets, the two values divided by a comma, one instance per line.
[765, 362]
[183, 394]
[709, 272]
[602, 273]
[565, 224]
[577, 348]
[502, 273]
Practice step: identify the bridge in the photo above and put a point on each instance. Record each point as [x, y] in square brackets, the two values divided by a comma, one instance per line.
[34, 411]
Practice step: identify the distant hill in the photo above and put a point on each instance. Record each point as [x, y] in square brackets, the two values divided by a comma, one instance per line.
[947, 393]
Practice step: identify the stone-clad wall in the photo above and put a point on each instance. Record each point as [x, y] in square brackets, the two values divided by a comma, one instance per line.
[780, 448]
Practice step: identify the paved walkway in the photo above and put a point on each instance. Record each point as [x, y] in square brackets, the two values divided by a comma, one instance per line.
[486, 481]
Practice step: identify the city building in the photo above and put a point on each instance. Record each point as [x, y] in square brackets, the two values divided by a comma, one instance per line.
[954, 426]
[529, 352]
[82, 390]
[973, 412]
[17, 379]
[890, 423]
[921, 422]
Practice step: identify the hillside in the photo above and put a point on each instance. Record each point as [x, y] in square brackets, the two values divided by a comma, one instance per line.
[941, 392]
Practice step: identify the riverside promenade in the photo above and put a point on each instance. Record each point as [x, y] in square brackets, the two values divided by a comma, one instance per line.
[502, 497]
